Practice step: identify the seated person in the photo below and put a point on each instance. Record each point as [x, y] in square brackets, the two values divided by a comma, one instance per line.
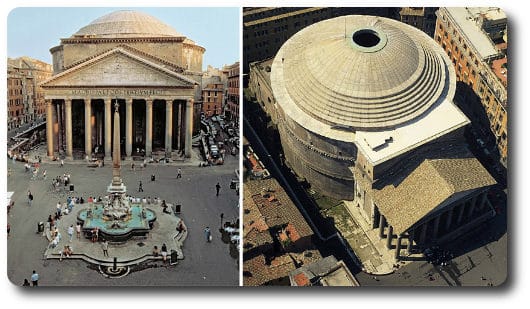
[156, 251]
[180, 227]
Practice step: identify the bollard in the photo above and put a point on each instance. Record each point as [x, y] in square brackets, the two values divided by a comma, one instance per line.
[115, 264]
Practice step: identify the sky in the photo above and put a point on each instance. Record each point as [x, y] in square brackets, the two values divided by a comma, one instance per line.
[33, 31]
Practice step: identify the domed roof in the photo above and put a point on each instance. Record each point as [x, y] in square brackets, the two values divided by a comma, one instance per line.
[361, 72]
[121, 24]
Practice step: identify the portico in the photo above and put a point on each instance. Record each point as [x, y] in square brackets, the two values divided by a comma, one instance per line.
[156, 108]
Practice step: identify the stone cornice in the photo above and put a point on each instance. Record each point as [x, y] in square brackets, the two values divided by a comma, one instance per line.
[80, 40]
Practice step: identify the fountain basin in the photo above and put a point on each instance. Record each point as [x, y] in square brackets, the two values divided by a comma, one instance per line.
[135, 224]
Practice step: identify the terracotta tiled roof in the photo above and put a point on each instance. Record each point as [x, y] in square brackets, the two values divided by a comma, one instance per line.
[427, 187]
[261, 273]
[279, 210]
[302, 280]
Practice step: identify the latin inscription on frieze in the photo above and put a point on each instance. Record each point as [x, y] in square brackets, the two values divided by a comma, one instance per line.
[117, 92]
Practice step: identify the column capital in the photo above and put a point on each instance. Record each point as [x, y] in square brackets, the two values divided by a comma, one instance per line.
[129, 101]
[88, 101]
[108, 101]
[190, 101]
[68, 102]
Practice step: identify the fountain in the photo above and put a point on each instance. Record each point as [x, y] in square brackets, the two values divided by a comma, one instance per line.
[117, 218]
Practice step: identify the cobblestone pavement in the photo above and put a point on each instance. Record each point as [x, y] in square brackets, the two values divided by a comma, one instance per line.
[204, 263]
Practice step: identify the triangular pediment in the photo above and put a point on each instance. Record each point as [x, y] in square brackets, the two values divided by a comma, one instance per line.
[119, 68]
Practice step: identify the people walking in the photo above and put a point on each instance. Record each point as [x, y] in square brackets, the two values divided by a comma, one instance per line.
[179, 173]
[70, 232]
[207, 234]
[30, 198]
[78, 230]
[35, 279]
[62, 162]
[26, 283]
[140, 188]
[217, 188]
[105, 247]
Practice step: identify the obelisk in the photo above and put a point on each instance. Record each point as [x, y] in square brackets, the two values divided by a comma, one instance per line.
[117, 185]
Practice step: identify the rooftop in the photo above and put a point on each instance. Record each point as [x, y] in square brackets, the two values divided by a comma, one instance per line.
[326, 272]
[465, 18]
[431, 186]
[500, 69]
[380, 146]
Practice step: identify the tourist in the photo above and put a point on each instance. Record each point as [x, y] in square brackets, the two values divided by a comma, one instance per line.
[156, 252]
[67, 252]
[44, 174]
[164, 207]
[207, 234]
[95, 235]
[140, 188]
[180, 227]
[30, 198]
[179, 173]
[26, 283]
[58, 209]
[70, 232]
[55, 241]
[62, 162]
[217, 188]
[164, 252]
[152, 177]
[132, 166]
[105, 247]
[35, 279]
[8, 229]
[78, 230]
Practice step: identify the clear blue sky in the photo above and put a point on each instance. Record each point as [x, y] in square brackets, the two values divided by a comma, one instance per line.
[33, 31]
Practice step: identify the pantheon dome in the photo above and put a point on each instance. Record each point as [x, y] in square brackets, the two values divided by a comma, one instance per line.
[354, 80]
[127, 24]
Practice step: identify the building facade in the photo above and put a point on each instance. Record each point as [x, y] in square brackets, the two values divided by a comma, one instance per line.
[232, 101]
[128, 57]
[363, 125]
[212, 99]
[475, 39]
[25, 97]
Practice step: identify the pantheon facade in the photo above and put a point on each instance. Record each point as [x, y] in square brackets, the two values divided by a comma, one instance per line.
[131, 58]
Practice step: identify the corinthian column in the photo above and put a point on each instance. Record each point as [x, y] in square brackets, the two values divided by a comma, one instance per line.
[189, 127]
[169, 127]
[88, 127]
[128, 127]
[108, 129]
[49, 127]
[148, 127]
[69, 137]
